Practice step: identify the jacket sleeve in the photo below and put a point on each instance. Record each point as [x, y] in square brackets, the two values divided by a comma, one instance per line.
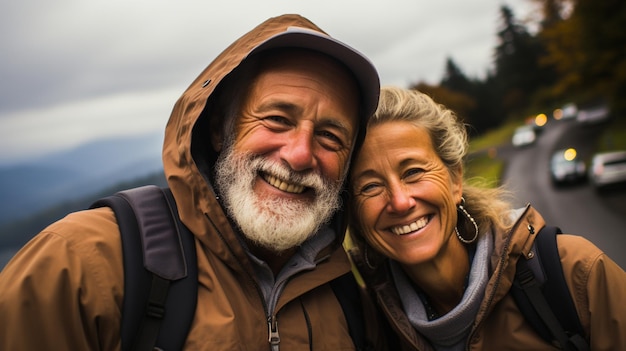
[607, 305]
[63, 289]
[598, 286]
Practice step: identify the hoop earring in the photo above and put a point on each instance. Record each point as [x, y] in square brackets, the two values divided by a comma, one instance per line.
[471, 219]
[367, 261]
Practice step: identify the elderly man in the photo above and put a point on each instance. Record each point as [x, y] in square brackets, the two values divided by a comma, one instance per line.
[256, 152]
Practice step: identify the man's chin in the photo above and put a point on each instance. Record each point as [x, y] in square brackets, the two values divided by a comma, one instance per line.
[278, 228]
[275, 247]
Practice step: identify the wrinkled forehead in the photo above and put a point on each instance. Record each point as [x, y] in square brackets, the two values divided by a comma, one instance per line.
[318, 64]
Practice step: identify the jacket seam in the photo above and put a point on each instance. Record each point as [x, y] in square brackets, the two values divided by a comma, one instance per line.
[308, 324]
[247, 273]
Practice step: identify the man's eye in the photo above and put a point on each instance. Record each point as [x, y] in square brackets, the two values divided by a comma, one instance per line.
[331, 140]
[330, 136]
[277, 119]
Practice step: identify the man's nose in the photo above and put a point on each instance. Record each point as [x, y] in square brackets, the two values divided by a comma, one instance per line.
[298, 152]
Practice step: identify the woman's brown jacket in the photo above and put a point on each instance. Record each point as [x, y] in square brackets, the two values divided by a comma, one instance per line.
[597, 285]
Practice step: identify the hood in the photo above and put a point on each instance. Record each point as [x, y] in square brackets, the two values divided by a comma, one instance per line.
[188, 157]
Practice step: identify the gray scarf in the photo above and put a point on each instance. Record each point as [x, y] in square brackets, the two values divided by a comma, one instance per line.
[450, 331]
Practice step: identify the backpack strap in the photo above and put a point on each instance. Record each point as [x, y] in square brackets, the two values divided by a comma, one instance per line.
[347, 293]
[163, 277]
[541, 292]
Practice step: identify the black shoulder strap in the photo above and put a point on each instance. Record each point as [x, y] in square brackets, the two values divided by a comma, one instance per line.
[541, 292]
[160, 271]
[347, 292]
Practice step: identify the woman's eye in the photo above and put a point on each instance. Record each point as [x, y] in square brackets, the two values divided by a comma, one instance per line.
[370, 189]
[413, 173]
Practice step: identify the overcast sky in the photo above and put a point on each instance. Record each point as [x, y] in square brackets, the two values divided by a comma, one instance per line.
[71, 71]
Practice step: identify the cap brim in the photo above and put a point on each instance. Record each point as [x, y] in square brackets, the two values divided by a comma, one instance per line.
[363, 70]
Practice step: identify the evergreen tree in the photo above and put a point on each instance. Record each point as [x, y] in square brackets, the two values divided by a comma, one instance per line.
[518, 74]
[481, 115]
[552, 11]
[454, 79]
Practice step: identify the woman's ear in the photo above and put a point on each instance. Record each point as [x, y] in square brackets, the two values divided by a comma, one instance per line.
[457, 184]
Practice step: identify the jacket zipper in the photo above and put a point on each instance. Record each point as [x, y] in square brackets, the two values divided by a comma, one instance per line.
[274, 337]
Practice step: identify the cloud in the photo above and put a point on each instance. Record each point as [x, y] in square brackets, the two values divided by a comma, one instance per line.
[42, 130]
[67, 62]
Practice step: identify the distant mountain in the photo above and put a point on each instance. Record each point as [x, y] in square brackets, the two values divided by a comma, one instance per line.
[14, 234]
[36, 184]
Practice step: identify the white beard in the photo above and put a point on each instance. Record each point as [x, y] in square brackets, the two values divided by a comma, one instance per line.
[275, 223]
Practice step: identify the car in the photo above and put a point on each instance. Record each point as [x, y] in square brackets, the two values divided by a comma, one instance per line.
[593, 115]
[607, 169]
[524, 135]
[566, 167]
[567, 111]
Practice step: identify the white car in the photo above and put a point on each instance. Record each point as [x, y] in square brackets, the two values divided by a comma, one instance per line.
[608, 168]
[567, 167]
[597, 114]
[524, 135]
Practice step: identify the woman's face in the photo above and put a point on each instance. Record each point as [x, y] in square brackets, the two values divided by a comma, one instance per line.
[404, 196]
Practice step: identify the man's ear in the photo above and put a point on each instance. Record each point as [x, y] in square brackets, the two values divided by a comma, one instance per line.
[217, 134]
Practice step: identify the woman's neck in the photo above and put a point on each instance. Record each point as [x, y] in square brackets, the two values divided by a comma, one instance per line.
[443, 280]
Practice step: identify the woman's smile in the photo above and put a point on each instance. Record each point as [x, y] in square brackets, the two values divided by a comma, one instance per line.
[411, 227]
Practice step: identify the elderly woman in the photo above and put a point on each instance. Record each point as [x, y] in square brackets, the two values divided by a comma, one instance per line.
[439, 256]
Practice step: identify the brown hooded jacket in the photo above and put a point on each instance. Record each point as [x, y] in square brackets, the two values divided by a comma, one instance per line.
[64, 290]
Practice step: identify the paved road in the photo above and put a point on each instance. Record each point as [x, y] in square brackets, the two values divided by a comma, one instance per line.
[577, 209]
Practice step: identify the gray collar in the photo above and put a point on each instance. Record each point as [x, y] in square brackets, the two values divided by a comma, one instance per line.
[303, 259]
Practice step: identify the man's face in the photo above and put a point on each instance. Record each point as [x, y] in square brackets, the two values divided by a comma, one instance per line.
[281, 176]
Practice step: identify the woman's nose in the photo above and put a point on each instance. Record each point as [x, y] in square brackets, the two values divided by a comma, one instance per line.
[400, 199]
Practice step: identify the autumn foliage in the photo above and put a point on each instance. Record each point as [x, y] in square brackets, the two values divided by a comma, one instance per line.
[576, 52]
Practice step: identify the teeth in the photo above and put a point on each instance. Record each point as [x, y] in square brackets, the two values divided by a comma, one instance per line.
[284, 186]
[408, 228]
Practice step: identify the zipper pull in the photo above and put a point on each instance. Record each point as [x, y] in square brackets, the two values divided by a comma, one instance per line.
[274, 338]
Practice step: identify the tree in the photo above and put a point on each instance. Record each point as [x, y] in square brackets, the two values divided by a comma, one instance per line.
[454, 78]
[553, 11]
[587, 49]
[518, 73]
[460, 103]
[473, 95]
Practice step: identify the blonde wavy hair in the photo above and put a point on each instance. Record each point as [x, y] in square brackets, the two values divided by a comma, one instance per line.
[449, 136]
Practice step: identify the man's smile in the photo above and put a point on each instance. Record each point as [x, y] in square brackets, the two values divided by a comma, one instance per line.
[283, 184]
